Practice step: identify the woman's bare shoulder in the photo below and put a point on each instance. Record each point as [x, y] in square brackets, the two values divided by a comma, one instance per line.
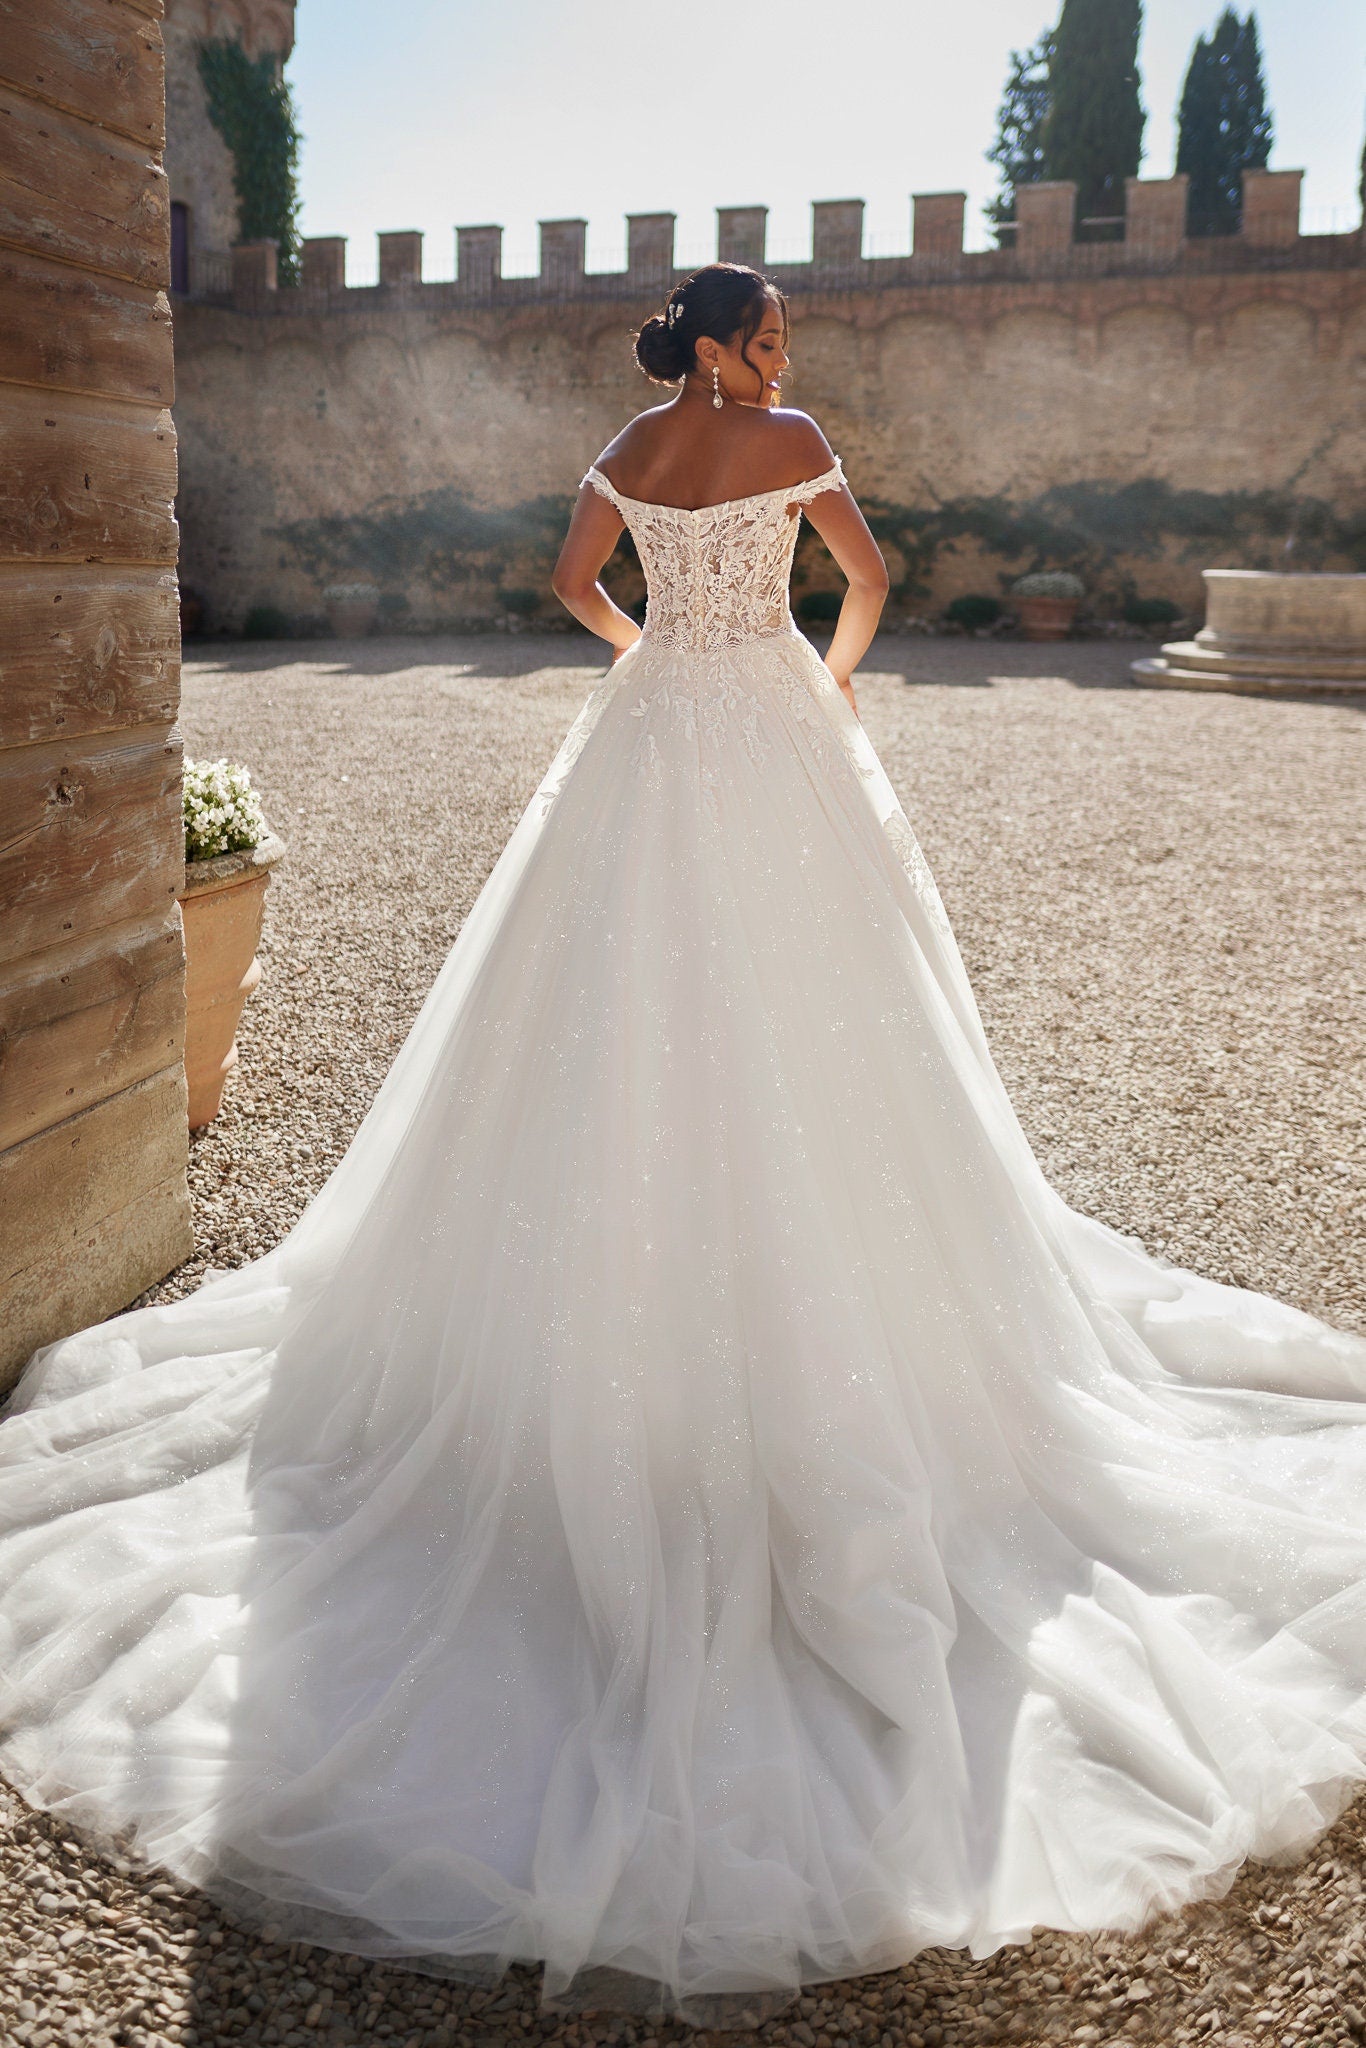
[797, 444]
[638, 433]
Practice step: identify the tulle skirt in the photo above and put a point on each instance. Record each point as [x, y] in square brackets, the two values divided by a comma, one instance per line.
[688, 1503]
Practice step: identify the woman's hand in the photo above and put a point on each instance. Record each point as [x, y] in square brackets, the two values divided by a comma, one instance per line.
[846, 687]
[625, 647]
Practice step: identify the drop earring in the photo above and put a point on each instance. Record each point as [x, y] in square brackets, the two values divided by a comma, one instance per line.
[716, 386]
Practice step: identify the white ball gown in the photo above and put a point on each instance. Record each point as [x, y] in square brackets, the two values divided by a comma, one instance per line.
[688, 1501]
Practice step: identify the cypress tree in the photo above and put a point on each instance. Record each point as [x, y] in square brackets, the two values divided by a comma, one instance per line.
[1094, 129]
[1018, 149]
[1224, 123]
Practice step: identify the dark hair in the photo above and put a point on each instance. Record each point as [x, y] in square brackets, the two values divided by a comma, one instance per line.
[722, 300]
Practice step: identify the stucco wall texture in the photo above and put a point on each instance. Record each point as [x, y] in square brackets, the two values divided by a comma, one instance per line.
[1135, 428]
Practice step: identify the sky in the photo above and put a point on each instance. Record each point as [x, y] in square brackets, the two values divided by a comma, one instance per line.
[428, 113]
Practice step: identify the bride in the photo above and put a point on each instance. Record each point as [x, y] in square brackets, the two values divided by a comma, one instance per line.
[688, 1503]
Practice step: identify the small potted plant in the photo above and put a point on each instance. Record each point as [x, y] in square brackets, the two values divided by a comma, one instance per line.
[1046, 601]
[229, 853]
[352, 609]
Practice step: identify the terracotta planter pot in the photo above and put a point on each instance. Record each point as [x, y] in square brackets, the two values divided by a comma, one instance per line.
[1046, 618]
[222, 904]
[351, 618]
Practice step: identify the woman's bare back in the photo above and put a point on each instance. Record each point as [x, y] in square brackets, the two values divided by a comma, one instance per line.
[690, 455]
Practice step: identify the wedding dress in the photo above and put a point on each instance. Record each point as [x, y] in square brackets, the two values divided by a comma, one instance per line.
[687, 1500]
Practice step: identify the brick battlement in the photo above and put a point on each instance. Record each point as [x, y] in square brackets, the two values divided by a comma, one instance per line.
[1150, 240]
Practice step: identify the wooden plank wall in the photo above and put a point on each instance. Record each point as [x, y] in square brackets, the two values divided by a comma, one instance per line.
[93, 1143]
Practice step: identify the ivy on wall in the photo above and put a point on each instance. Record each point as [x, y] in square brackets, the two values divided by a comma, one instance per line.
[251, 107]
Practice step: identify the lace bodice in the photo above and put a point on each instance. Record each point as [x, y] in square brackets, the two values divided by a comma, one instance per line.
[719, 575]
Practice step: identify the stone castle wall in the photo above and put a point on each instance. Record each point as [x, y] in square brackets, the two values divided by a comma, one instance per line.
[1136, 410]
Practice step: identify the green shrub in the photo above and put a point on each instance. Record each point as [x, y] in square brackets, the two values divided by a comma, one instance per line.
[265, 622]
[819, 606]
[973, 610]
[1151, 611]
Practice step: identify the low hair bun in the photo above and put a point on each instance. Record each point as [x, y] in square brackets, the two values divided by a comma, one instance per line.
[726, 301]
[661, 351]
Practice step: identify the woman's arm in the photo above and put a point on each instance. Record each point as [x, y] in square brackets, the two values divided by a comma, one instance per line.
[843, 528]
[593, 532]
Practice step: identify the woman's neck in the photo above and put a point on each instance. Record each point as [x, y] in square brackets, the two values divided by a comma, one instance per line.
[697, 386]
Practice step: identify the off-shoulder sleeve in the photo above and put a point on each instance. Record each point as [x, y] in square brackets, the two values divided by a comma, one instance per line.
[831, 479]
[602, 485]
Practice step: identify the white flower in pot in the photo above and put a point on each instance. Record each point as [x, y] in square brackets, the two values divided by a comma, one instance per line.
[229, 853]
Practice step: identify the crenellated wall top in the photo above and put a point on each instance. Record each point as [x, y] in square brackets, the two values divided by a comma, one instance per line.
[1044, 244]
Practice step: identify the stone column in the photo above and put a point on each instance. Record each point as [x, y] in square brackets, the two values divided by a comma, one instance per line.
[741, 235]
[478, 258]
[564, 245]
[322, 263]
[1045, 215]
[93, 1202]
[400, 257]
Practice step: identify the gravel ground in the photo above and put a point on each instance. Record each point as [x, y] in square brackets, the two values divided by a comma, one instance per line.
[1160, 900]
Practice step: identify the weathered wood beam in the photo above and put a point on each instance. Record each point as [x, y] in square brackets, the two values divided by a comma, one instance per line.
[85, 480]
[86, 649]
[92, 1210]
[100, 59]
[91, 836]
[83, 1021]
[71, 330]
[80, 194]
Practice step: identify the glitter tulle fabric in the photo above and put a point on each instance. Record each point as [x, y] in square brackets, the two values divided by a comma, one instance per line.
[688, 1503]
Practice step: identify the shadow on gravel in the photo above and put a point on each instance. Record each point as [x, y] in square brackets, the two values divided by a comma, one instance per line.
[485, 654]
[969, 663]
[987, 664]
[966, 664]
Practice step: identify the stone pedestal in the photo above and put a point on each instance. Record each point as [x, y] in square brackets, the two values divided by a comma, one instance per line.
[1281, 635]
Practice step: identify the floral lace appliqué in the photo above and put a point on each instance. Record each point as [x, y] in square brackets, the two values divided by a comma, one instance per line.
[719, 575]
